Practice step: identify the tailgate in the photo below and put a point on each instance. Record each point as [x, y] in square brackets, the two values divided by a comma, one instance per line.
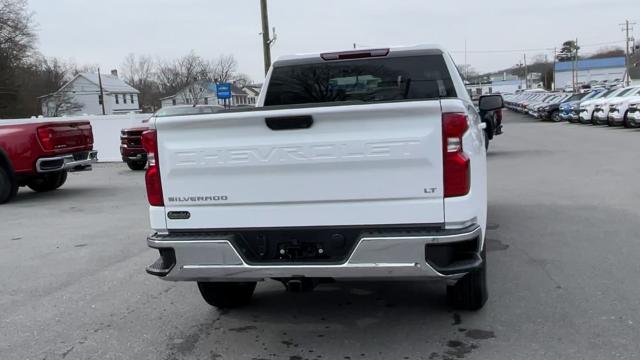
[355, 165]
[67, 136]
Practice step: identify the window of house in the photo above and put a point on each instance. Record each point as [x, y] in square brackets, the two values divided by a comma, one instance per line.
[124, 98]
[117, 99]
[206, 101]
[173, 102]
[132, 101]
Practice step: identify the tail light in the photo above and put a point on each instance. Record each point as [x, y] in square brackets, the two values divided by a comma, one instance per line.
[45, 135]
[154, 184]
[457, 177]
[90, 135]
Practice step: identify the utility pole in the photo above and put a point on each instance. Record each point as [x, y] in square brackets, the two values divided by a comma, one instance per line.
[466, 65]
[266, 37]
[526, 73]
[101, 92]
[555, 55]
[574, 76]
[628, 40]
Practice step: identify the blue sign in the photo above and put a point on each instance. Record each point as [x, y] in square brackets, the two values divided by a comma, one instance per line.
[223, 91]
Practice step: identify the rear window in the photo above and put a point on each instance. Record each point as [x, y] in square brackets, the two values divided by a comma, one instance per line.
[367, 80]
[625, 92]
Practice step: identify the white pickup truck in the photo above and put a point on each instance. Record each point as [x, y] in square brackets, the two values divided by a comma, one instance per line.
[358, 165]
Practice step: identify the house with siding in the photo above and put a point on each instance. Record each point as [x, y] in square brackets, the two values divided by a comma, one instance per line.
[205, 92]
[81, 96]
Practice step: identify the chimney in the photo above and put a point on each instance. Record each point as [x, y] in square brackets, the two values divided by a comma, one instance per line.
[114, 72]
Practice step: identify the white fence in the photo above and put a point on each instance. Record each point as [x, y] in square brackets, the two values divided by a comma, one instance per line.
[106, 131]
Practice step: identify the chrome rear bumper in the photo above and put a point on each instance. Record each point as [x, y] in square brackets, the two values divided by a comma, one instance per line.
[81, 161]
[214, 258]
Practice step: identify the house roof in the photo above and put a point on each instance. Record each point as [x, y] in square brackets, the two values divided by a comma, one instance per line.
[110, 83]
[589, 64]
[253, 90]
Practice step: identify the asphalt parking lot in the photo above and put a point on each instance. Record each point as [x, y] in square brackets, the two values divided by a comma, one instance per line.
[563, 241]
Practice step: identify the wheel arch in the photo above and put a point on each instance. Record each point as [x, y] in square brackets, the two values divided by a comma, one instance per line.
[5, 163]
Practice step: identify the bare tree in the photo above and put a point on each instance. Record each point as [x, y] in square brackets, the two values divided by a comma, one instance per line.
[173, 76]
[54, 73]
[17, 36]
[17, 39]
[194, 92]
[242, 79]
[467, 72]
[140, 73]
[84, 68]
[62, 103]
[223, 68]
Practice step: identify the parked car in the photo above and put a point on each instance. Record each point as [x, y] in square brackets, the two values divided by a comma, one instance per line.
[39, 154]
[618, 107]
[601, 108]
[587, 106]
[532, 107]
[566, 108]
[131, 138]
[575, 107]
[633, 113]
[369, 180]
[550, 109]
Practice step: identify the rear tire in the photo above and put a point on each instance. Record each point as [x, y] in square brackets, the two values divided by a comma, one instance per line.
[227, 294]
[555, 116]
[470, 292]
[625, 121]
[609, 122]
[136, 165]
[8, 187]
[486, 140]
[48, 182]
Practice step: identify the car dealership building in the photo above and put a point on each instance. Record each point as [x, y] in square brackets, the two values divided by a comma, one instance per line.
[590, 71]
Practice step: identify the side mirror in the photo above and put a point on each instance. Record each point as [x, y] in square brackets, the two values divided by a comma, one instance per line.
[490, 102]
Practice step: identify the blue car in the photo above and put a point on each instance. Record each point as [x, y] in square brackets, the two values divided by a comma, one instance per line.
[570, 109]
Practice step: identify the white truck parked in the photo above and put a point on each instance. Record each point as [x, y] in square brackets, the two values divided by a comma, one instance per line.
[366, 164]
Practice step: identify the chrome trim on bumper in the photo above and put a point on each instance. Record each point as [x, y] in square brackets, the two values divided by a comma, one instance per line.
[374, 257]
[66, 162]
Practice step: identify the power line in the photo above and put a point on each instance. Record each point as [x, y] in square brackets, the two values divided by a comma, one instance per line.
[533, 49]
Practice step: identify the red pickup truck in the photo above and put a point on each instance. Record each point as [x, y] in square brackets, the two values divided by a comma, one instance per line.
[131, 139]
[39, 154]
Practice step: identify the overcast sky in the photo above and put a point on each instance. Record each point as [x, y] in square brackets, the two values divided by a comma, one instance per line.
[104, 32]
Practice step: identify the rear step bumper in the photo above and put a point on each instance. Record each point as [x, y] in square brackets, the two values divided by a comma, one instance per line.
[81, 161]
[444, 255]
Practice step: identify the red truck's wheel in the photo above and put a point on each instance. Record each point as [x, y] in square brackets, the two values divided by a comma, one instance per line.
[48, 182]
[226, 294]
[8, 188]
[136, 165]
